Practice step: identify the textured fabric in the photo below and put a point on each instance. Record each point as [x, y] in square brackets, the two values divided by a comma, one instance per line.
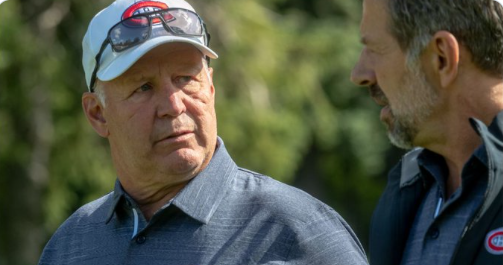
[432, 240]
[399, 204]
[226, 215]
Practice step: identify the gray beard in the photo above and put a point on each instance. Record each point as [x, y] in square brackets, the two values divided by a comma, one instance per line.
[402, 135]
[418, 103]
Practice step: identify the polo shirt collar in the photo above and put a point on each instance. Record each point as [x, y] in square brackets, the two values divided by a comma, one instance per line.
[433, 167]
[203, 194]
[117, 195]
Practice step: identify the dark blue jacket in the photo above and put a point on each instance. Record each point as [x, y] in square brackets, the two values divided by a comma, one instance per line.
[398, 205]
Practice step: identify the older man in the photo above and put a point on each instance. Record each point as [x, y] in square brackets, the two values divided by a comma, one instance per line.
[179, 197]
[436, 67]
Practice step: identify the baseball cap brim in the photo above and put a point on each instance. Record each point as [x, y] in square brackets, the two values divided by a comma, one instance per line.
[120, 62]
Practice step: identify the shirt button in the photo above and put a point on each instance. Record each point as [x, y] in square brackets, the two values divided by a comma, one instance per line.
[141, 239]
[434, 233]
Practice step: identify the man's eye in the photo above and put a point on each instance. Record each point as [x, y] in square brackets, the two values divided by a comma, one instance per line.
[183, 79]
[144, 87]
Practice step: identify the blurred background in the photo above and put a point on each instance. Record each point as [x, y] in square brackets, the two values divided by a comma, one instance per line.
[285, 107]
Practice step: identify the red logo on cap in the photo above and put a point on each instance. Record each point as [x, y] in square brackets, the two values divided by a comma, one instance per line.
[494, 242]
[144, 7]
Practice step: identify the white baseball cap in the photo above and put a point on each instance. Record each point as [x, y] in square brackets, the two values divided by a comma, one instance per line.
[113, 64]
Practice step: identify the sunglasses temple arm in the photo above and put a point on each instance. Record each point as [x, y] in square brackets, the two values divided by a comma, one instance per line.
[164, 24]
[97, 66]
[208, 37]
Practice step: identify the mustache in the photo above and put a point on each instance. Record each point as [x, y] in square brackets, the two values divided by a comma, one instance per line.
[377, 94]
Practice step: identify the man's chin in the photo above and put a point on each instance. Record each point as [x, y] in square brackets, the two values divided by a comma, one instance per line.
[181, 161]
[399, 136]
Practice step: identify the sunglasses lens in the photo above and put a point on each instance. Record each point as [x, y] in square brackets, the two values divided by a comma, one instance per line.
[135, 30]
[183, 22]
[129, 33]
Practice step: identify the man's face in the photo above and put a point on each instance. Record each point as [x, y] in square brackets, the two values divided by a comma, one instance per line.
[403, 91]
[160, 115]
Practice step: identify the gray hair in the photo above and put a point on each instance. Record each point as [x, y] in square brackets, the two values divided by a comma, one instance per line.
[100, 93]
[476, 24]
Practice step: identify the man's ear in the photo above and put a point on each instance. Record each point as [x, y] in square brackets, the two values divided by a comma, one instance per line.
[444, 51]
[210, 71]
[94, 113]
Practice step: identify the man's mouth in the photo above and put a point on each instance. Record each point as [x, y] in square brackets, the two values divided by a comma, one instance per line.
[380, 99]
[177, 136]
[386, 113]
[378, 96]
[179, 133]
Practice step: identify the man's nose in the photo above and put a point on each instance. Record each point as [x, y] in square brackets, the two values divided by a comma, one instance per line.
[171, 103]
[362, 74]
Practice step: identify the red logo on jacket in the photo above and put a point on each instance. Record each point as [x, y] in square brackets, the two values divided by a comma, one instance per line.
[494, 242]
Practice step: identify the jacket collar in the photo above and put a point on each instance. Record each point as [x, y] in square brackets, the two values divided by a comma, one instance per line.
[492, 138]
[202, 196]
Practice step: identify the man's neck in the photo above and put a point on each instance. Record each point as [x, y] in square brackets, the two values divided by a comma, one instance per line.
[150, 205]
[153, 192]
[451, 134]
[151, 199]
[457, 146]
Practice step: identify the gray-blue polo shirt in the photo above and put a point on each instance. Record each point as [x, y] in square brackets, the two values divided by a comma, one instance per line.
[440, 221]
[225, 215]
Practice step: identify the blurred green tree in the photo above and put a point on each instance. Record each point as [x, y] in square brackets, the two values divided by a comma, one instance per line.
[285, 108]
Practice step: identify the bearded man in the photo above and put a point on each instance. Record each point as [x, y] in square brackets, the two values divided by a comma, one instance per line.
[436, 68]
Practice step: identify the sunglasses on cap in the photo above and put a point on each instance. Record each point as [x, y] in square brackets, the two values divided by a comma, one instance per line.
[137, 29]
